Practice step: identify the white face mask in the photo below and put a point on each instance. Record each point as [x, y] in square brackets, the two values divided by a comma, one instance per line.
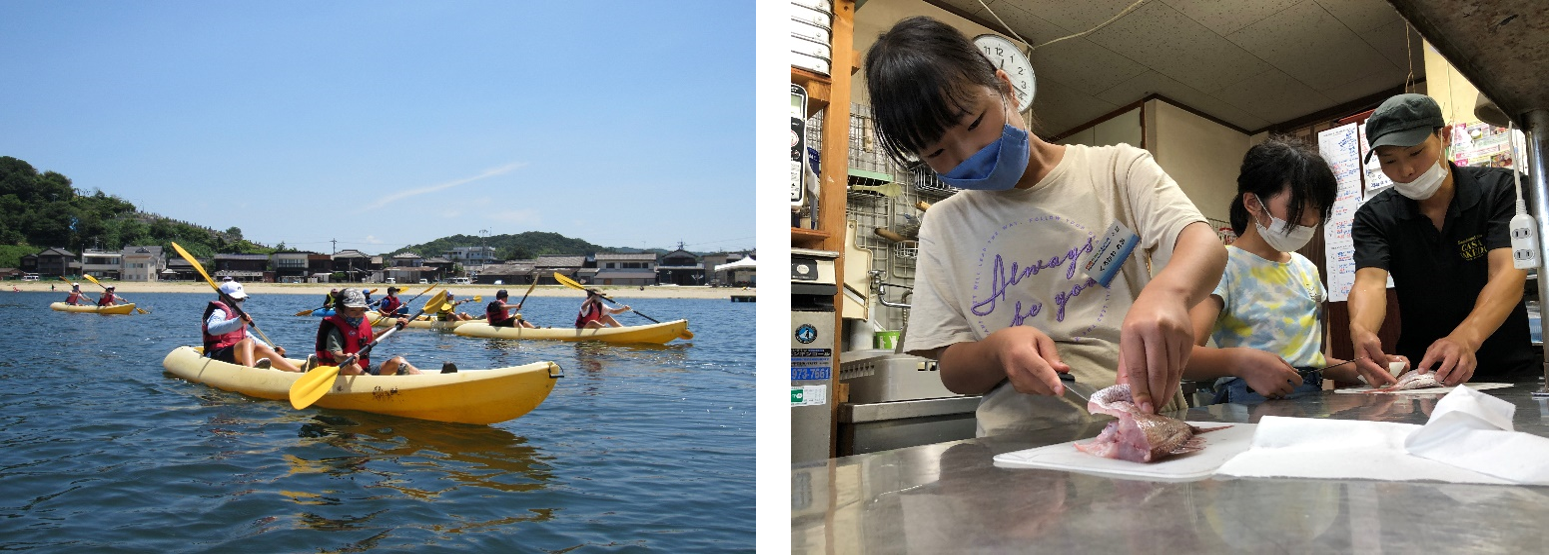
[1425, 186]
[1281, 241]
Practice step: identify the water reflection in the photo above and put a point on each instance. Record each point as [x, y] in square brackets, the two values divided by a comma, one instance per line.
[470, 456]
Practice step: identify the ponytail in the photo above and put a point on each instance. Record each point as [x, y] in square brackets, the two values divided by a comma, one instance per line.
[1239, 215]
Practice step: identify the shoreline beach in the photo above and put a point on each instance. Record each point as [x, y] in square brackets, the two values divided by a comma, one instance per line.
[319, 289]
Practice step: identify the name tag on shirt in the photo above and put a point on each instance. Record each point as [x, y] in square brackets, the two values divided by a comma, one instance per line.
[1115, 248]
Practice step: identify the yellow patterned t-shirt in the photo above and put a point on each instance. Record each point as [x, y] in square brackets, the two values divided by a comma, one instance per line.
[1271, 306]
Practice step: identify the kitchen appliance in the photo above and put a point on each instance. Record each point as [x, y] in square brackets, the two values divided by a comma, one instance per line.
[813, 340]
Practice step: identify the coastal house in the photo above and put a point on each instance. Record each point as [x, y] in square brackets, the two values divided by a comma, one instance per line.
[179, 269]
[739, 275]
[142, 263]
[355, 265]
[51, 263]
[442, 267]
[568, 265]
[100, 264]
[680, 267]
[243, 267]
[625, 269]
[291, 267]
[515, 272]
[471, 256]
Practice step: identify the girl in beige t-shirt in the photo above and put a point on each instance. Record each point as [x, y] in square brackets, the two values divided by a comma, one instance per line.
[1003, 297]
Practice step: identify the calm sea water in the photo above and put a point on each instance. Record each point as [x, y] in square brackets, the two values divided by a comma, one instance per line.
[638, 448]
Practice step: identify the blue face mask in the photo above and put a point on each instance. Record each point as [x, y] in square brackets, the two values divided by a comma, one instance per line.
[354, 321]
[996, 167]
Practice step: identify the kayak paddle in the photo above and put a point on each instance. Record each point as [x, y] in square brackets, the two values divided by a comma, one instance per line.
[230, 301]
[104, 288]
[309, 312]
[573, 285]
[83, 293]
[316, 382]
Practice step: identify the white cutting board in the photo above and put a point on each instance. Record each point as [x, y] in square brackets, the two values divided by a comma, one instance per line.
[1220, 445]
[1427, 391]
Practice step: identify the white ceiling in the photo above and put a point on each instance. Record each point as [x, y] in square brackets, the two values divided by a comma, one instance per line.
[1251, 63]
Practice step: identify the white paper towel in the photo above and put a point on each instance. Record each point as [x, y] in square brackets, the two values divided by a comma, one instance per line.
[1469, 439]
[1319, 448]
[1473, 430]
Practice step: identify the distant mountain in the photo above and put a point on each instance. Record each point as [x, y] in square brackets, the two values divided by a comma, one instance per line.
[525, 245]
[528, 244]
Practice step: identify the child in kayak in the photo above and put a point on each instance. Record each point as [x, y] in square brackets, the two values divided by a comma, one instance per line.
[448, 314]
[76, 296]
[498, 313]
[594, 314]
[346, 333]
[226, 338]
[391, 305]
[107, 298]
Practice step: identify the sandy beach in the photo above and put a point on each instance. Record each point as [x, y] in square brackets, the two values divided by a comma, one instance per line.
[320, 289]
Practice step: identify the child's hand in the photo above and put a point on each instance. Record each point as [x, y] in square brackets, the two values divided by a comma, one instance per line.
[1029, 359]
[1266, 374]
[1154, 346]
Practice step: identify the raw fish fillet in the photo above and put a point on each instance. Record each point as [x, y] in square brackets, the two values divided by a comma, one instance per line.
[1413, 379]
[1138, 436]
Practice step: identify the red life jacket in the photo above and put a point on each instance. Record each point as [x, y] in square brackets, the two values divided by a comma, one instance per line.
[213, 343]
[496, 313]
[107, 299]
[355, 337]
[590, 312]
[390, 304]
[75, 298]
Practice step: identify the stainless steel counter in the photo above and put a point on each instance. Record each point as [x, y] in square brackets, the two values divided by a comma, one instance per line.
[950, 498]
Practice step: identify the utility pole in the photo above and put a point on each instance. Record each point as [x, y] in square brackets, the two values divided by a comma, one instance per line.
[484, 256]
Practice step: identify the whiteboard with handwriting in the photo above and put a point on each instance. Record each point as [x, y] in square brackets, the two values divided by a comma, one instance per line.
[1343, 147]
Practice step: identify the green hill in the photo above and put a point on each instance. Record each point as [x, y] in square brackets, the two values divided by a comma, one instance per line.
[42, 209]
[528, 244]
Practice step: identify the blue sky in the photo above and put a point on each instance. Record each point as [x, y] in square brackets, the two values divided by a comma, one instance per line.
[383, 124]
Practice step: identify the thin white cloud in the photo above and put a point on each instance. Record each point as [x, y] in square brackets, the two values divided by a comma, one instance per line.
[395, 197]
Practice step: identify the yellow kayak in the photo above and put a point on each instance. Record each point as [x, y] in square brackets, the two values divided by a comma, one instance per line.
[425, 324]
[468, 396]
[654, 333]
[115, 309]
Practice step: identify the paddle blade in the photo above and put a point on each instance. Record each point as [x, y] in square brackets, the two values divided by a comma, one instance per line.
[93, 280]
[686, 335]
[195, 263]
[305, 312]
[312, 386]
[435, 302]
[567, 281]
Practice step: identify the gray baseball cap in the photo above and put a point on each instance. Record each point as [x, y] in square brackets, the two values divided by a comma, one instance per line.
[353, 298]
[1403, 120]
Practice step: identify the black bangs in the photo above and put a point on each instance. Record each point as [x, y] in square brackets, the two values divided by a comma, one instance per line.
[1282, 163]
[923, 77]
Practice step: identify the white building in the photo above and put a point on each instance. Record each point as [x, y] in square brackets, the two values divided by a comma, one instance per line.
[102, 264]
[142, 263]
[471, 256]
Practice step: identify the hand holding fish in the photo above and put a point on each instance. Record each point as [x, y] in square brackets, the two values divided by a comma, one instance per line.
[1155, 341]
[1374, 367]
[1453, 359]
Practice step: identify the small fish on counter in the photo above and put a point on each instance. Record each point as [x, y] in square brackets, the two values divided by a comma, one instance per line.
[1139, 436]
[1418, 378]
